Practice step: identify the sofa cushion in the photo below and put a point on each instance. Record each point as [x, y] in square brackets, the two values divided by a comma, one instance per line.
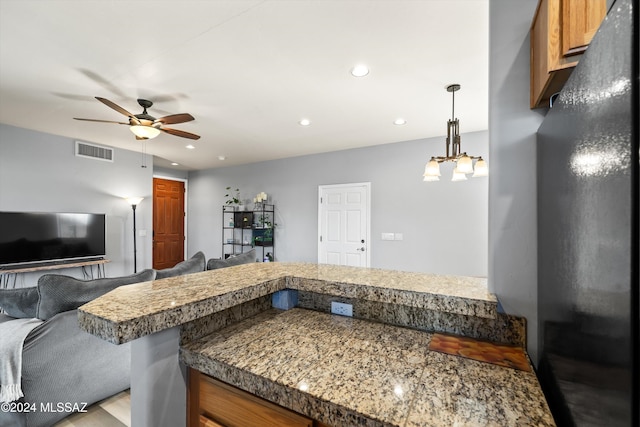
[20, 302]
[244, 258]
[60, 293]
[194, 264]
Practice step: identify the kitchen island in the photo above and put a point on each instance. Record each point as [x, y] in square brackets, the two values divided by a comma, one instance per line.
[193, 312]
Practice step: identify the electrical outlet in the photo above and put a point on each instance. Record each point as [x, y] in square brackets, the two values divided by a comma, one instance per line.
[342, 309]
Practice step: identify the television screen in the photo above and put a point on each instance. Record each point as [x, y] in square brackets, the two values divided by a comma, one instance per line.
[33, 237]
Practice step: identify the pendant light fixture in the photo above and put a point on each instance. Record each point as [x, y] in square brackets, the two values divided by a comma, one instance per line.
[464, 162]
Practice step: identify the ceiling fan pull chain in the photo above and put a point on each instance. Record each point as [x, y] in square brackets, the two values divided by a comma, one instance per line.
[144, 154]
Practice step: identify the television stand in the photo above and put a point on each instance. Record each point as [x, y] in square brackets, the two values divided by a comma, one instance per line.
[54, 265]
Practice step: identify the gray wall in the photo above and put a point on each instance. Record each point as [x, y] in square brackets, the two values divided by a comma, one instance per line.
[512, 185]
[167, 173]
[40, 172]
[444, 223]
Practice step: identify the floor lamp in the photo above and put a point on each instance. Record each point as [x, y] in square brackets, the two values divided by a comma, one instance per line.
[134, 201]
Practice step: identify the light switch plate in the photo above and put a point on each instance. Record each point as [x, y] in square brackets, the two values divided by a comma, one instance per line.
[399, 236]
[387, 236]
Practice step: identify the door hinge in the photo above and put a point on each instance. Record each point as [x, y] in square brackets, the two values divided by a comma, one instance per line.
[321, 238]
[320, 200]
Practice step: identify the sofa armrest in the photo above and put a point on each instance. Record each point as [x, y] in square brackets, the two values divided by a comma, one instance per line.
[62, 363]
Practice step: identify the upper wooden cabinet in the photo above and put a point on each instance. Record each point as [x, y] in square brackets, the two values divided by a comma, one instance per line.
[560, 32]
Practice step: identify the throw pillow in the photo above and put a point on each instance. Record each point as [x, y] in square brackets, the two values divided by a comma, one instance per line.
[20, 302]
[194, 264]
[244, 258]
[60, 293]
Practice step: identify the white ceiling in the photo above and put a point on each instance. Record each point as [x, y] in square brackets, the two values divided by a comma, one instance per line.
[248, 71]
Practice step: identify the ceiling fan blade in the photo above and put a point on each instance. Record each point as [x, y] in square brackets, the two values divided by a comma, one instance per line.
[101, 121]
[116, 107]
[181, 133]
[175, 118]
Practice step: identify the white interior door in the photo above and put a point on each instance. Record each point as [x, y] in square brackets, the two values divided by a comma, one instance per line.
[343, 224]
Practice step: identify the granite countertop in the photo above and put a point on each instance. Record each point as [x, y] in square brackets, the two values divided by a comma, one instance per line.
[133, 311]
[345, 371]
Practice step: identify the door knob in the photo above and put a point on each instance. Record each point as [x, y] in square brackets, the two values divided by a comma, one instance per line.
[360, 249]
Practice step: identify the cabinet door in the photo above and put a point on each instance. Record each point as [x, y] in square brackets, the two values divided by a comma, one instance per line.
[580, 21]
[560, 32]
[232, 407]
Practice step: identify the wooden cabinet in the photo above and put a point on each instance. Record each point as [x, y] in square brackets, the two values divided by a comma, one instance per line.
[560, 32]
[212, 403]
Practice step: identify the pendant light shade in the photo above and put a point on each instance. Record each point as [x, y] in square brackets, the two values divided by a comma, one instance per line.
[432, 168]
[465, 165]
[481, 168]
[458, 176]
[464, 162]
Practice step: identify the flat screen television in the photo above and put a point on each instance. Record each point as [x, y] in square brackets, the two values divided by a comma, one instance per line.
[43, 237]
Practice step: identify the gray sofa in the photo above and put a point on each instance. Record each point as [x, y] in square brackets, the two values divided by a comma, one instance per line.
[243, 258]
[60, 362]
[195, 264]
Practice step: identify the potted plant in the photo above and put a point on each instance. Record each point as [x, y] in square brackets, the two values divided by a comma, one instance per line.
[233, 198]
[265, 238]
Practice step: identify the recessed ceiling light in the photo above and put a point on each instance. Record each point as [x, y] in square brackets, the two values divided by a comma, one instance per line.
[174, 164]
[222, 158]
[400, 122]
[305, 122]
[190, 147]
[360, 70]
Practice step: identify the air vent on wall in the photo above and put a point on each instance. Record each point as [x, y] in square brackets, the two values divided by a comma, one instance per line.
[91, 151]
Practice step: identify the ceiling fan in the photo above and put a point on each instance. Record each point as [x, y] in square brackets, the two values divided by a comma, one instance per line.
[145, 126]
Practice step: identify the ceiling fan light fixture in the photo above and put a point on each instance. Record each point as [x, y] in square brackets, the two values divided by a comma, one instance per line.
[144, 126]
[146, 132]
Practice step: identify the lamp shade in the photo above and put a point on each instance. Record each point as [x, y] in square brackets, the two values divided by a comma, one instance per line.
[133, 201]
[141, 131]
[429, 178]
[458, 176]
[481, 168]
[432, 168]
[465, 164]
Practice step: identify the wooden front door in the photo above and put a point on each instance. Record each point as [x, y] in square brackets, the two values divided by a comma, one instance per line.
[168, 223]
